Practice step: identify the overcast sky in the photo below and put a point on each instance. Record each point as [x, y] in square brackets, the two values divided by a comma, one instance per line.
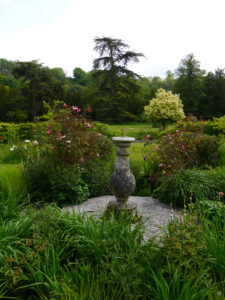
[60, 33]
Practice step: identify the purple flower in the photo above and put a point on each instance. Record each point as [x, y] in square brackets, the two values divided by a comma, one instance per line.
[144, 157]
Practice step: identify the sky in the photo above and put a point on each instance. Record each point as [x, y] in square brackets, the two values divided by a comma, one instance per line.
[60, 33]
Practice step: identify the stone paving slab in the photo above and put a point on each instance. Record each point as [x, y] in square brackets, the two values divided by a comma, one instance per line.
[154, 214]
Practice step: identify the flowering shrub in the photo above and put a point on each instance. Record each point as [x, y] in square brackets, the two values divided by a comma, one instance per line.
[181, 149]
[72, 140]
[173, 152]
[56, 170]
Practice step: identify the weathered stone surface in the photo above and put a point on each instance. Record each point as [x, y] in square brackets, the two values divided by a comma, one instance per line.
[122, 181]
[155, 215]
[122, 185]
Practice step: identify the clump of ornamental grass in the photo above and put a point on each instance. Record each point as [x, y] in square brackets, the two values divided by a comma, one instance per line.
[190, 185]
[53, 254]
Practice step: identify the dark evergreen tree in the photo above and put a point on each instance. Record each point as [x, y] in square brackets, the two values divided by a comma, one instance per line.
[117, 84]
[189, 84]
[38, 85]
[213, 102]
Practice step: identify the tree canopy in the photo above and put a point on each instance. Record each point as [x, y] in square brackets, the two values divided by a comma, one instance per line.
[189, 83]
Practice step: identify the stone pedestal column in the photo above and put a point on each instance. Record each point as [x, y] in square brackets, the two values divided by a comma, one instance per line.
[122, 182]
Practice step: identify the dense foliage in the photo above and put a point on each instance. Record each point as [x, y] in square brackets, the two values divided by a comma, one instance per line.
[113, 91]
[165, 107]
[58, 168]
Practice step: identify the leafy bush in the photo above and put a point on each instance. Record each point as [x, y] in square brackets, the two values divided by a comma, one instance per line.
[190, 185]
[173, 152]
[62, 160]
[207, 150]
[212, 210]
[67, 187]
[143, 181]
[180, 150]
[47, 183]
[72, 139]
[96, 175]
[188, 124]
[37, 173]
[216, 127]
[10, 132]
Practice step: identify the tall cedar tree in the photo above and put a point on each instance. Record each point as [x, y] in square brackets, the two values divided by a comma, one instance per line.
[112, 63]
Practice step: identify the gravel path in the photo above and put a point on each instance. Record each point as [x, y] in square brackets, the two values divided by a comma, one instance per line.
[155, 214]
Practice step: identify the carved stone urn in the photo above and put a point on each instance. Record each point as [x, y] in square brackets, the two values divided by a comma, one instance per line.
[122, 182]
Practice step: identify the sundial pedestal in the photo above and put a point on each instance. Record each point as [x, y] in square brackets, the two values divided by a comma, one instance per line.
[122, 182]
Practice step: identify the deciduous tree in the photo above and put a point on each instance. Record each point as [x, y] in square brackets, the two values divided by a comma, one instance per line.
[165, 107]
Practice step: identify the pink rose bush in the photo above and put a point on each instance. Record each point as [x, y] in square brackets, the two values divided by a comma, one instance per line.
[72, 139]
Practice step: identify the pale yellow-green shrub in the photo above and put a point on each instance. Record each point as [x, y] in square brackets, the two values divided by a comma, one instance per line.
[166, 106]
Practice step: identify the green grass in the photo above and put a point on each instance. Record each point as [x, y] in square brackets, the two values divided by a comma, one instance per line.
[136, 152]
[7, 156]
[50, 254]
[135, 129]
[11, 178]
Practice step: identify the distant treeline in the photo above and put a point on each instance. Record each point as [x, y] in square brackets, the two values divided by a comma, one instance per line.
[114, 96]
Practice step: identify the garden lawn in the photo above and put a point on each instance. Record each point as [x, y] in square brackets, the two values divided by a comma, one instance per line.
[11, 178]
[135, 129]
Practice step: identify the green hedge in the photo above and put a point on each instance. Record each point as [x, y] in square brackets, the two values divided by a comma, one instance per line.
[18, 132]
[216, 127]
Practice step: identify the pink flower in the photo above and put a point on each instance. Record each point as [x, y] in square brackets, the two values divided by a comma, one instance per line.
[99, 134]
[82, 160]
[78, 110]
[221, 193]
[148, 136]
[74, 108]
[58, 133]
[78, 138]
[89, 109]
[48, 132]
[160, 165]
[64, 105]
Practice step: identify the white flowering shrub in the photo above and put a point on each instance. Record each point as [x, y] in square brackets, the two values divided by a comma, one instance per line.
[166, 106]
